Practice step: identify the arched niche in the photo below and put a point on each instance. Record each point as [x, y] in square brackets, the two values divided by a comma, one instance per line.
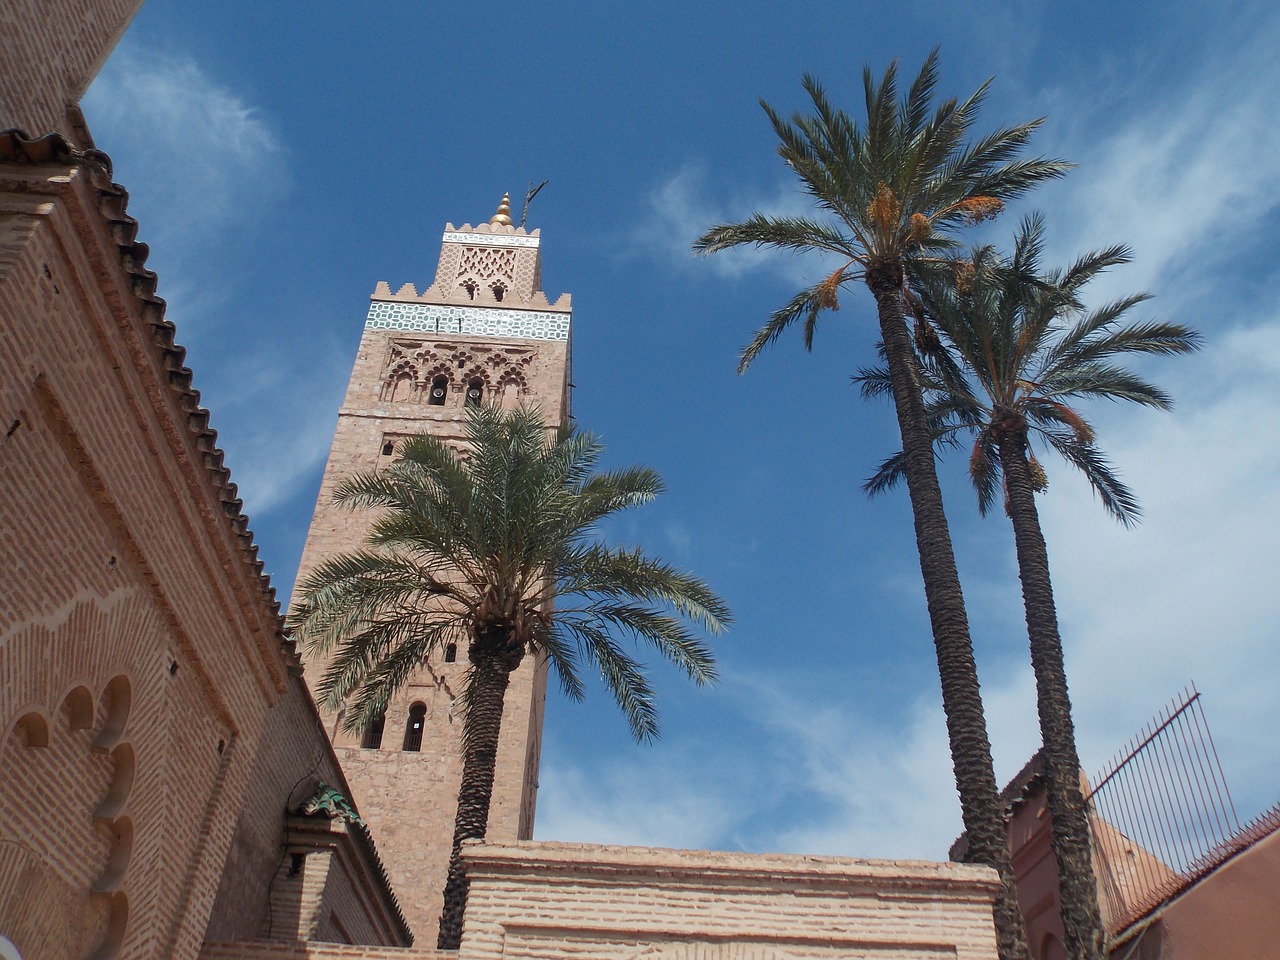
[117, 922]
[117, 700]
[439, 390]
[123, 763]
[32, 727]
[118, 858]
[79, 706]
[413, 729]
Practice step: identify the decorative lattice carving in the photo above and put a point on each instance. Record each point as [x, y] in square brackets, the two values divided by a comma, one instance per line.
[526, 278]
[487, 264]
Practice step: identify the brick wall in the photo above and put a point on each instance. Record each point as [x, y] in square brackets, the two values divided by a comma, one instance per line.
[116, 573]
[562, 901]
[140, 647]
[294, 757]
[50, 50]
[263, 950]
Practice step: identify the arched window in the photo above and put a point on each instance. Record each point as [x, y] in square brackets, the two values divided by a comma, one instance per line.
[475, 392]
[413, 732]
[439, 388]
[498, 290]
[372, 738]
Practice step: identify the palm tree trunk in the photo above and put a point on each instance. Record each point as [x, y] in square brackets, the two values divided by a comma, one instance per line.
[1077, 884]
[982, 811]
[486, 694]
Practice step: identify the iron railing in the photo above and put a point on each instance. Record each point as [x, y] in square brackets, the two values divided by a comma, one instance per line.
[1161, 808]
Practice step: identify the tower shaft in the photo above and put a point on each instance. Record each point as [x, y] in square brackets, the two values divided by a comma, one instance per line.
[483, 332]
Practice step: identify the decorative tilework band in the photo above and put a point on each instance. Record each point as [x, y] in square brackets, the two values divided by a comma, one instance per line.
[468, 321]
[491, 240]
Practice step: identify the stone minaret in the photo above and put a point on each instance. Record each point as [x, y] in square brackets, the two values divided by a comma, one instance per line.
[484, 333]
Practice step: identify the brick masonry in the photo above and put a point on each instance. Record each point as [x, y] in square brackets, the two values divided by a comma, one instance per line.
[50, 51]
[555, 901]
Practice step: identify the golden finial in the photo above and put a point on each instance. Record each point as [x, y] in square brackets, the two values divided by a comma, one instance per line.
[503, 216]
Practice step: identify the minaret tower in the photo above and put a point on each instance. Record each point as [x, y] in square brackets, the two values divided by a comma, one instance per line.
[482, 333]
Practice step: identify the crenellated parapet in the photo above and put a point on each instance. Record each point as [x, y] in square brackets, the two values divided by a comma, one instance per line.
[494, 264]
[487, 284]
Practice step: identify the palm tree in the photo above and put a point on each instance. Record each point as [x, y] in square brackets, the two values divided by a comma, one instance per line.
[498, 545]
[1027, 350]
[890, 194]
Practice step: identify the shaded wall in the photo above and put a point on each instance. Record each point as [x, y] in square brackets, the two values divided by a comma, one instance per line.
[1233, 912]
[50, 51]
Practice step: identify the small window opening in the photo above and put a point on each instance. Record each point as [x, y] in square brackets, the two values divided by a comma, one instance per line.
[471, 287]
[451, 653]
[475, 392]
[296, 860]
[388, 448]
[413, 732]
[498, 290]
[439, 387]
[372, 739]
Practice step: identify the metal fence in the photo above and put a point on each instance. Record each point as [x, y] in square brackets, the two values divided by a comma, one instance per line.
[1161, 809]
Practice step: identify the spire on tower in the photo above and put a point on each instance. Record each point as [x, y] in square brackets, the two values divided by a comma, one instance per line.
[503, 216]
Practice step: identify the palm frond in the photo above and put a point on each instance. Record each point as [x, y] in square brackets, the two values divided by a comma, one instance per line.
[477, 545]
[806, 304]
[1018, 339]
[1115, 497]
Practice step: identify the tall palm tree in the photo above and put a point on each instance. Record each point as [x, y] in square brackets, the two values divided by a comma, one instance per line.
[1027, 351]
[890, 194]
[499, 545]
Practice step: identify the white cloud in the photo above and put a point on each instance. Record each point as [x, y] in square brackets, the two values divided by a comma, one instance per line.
[654, 796]
[269, 460]
[682, 208]
[206, 157]
[800, 776]
[1191, 593]
[203, 165]
[1188, 181]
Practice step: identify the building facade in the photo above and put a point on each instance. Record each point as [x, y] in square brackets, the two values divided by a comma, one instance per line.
[154, 727]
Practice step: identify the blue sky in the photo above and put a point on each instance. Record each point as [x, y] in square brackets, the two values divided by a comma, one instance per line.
[282, 164]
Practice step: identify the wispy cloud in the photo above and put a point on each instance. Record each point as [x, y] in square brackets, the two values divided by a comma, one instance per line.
[1187, 180]
[682, 207]
[799, 776]
[662, 796]
[1190, 594]
[208, 158]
